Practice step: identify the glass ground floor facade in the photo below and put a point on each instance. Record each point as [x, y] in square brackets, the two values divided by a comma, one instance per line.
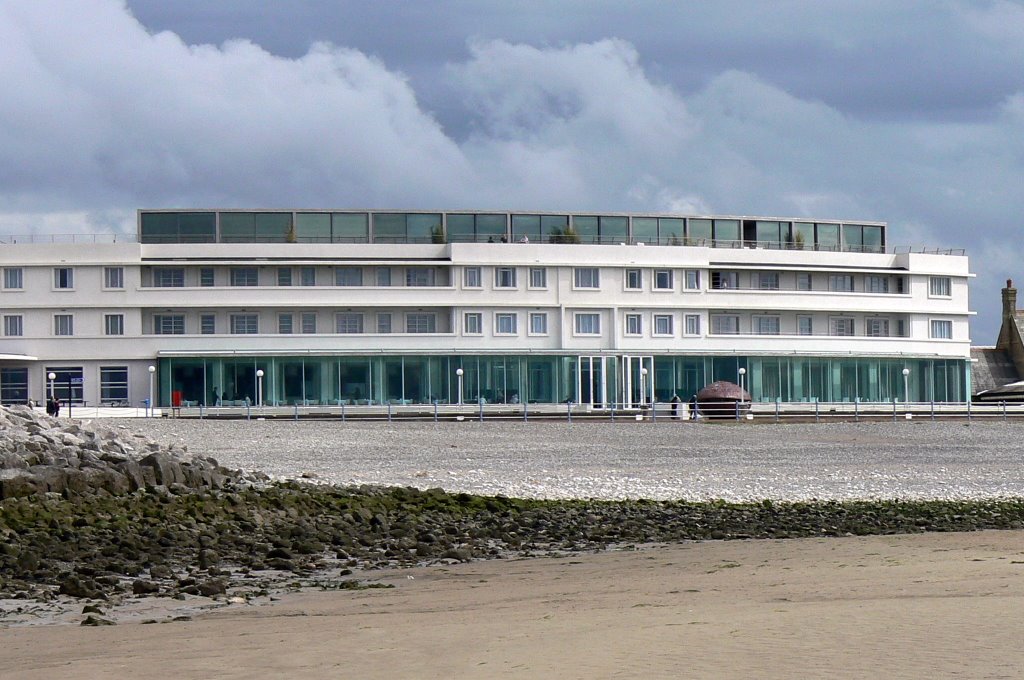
[598, 380]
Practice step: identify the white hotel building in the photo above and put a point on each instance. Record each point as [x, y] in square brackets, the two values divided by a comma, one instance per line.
[364, 307]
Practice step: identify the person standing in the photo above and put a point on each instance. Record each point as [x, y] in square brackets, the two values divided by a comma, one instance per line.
[677, 405]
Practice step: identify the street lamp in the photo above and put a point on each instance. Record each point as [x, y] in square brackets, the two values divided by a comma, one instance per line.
[743, 373]
[643, 387]
[152, 371]
[259, 388]
[458, 374]
[906, 385]
[52, 376]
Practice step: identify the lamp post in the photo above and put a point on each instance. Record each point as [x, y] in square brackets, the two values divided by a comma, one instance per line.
[52, 376]
[259, 388]
[152, 372]
[743, 375]
[906, 385]
[643, 387]
[458, 374]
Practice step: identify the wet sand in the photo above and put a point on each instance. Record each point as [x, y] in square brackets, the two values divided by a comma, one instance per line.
[933, 605]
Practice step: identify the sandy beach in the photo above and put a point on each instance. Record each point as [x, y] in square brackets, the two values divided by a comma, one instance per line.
[911, 606]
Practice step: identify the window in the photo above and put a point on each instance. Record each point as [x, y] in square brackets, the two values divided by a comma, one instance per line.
[692, 324]
[587, 323]
[63, 277]
[113, 324]
[586, 277]
[939, 286]
[841, 325]
[538, 277]
[307, 276]
[169, 277]
[876, 328]
[634, 279]
[901, 328]
[308, 323]
[942, 329]
[68, 383]
[419, 276]
[768, 280]
[206, 277]
[169, 324]
[13, 385]
[284, 324]
[284, 276]
[505, 277]
[245, 324]
[63, 324]
[663, 279]
[384, 322]
[113, 277]
[803, 281]
[538, 323]
[901, 284]
[663, 324]
[245, 276]
[692, 279]
[471, 277]
[420, 323]
[720, 280]
[876, 284]
[113, 384]
[348, 322]
[505, 324]
[13, 326]
[842, 283]
[766, 325]
[725, 324]
[383, 277]
[348, 276]
[804, 325]
[13, 278]
[472, 323]
[634, 324]
[207, 324]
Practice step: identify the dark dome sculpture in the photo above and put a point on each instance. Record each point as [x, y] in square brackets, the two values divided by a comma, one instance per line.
[723, 399]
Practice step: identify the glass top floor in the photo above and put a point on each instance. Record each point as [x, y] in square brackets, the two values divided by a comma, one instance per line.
[380, 226]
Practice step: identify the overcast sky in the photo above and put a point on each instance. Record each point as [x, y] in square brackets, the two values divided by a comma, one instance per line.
[907, 112]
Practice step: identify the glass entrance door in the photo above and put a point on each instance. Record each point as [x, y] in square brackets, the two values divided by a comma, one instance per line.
[637, 383]
[592, 381]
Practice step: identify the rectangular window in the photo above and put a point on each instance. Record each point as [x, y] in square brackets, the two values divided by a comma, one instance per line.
[766, 325]
[384, 322]
[538, 277]
[505, 277]
[803, 281]
[63, 277]
[722, 280]
[901, 284]
[169, 277]
[692, 279]
[841, 325]
[634, 324]
[207, 324]
[348, 276]
[206, 277]
[587, 323]
[663, 279]
[768, 280]
[725, 324]
[169, 324]
[939, 286]
[901, 328]
[383, 277]
[471, 277]
[472, 323]
[114, 385]
[586, 277]
[420, 323]
[13, 279]
[348, 322]
[13, 385]
[942, 329]
[804, 325]
[876, 328]
[307, 276]
[692, 324]
[113, 277]
[634, 279]
[13, 326]
[68, 383]
[308, 323]
[538, 323]
[876, 284]
[663, 324]
[840, 283]
[245, 324]
[505, 324]
[113, 324]
[245, 276]
[284, 276]
[284, 324]
[63, 324]
[419, 276]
